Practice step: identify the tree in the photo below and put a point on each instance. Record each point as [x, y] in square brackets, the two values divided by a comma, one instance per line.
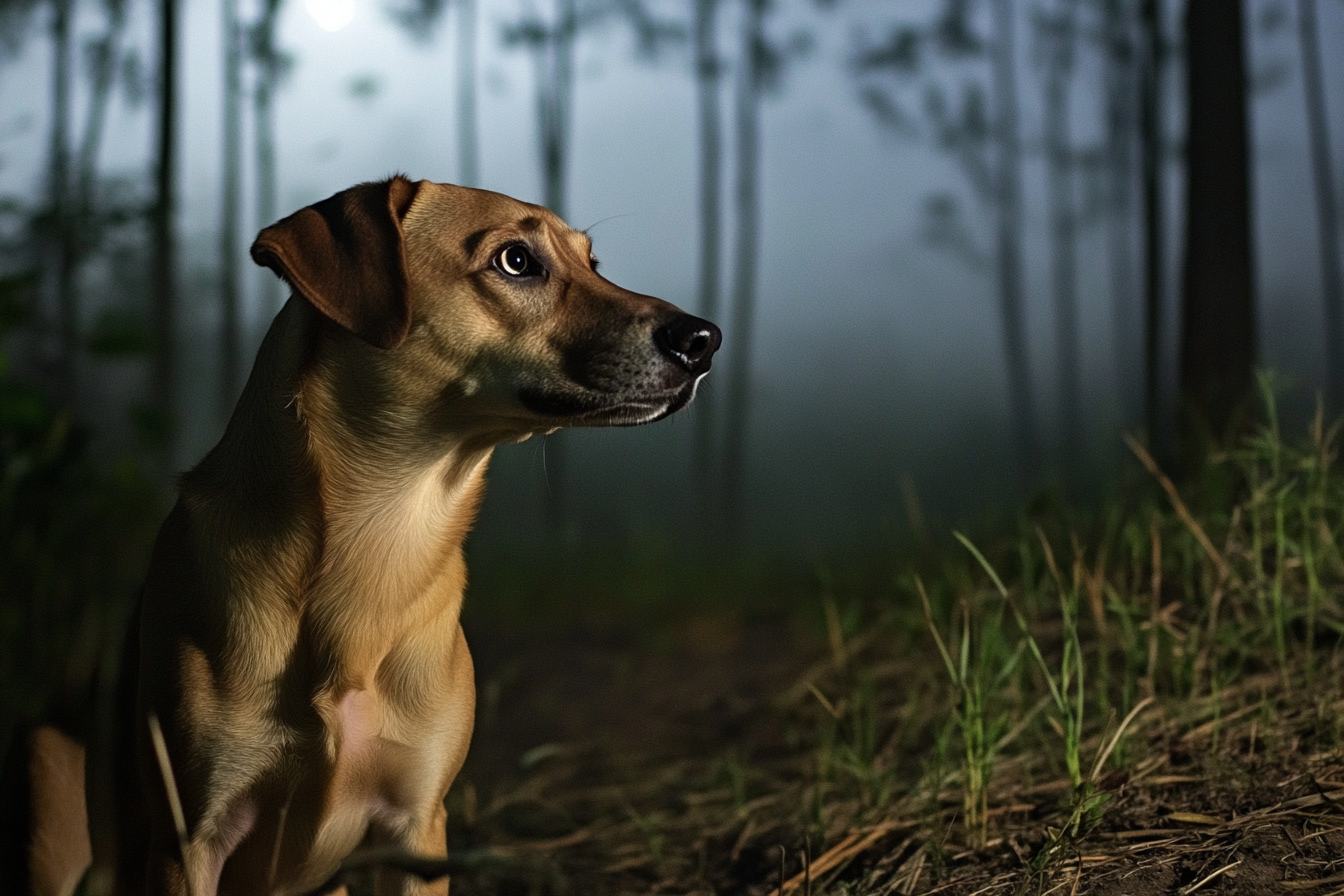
[760, 69]
[1058, 29]
[1152, 167]
[753, 62]
[1218, 320]
[271, 66]
[231, 146]
[85, 214]
[105, 56]
[60, 242]
[980, 131]
[162, 278]
[467, 139]
[1120, 87]
[552, 42]
[418, 18]
[708, 73]
[15, 20]
[1008, 252]
[1327, 208]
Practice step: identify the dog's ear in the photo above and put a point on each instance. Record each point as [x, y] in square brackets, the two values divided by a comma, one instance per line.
[346, 256]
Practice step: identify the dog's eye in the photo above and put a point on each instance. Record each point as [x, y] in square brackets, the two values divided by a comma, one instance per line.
[516, 261]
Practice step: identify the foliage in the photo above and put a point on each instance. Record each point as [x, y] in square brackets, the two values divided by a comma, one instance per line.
[74, 536]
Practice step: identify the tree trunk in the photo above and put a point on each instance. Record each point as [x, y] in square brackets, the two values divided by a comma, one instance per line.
[1152, 136]
[1063, 230]
[711, 214]
[58, 186]
[104, 69]
[1008, 189]
[268, 73]
[745, 251]
[1218, 320]
[230, 349]
[555, 96]
[1121, 87]
[163, 310]
[1327, 211]
[468, 166]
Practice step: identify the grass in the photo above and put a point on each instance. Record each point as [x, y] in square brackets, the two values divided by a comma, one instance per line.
[1149, 692]
[1152, 689]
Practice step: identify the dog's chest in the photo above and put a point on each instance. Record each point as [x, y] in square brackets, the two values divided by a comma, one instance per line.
[359, 778]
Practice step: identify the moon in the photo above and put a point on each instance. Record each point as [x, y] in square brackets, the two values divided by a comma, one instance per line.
[331, 15]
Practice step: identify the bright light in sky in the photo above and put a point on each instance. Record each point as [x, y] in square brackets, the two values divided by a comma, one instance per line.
[331, 15]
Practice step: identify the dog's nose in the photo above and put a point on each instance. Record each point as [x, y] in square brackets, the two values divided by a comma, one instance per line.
[689, 341]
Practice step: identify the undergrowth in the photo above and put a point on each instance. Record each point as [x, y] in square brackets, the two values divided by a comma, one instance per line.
[1001, 714]
[1006, 704]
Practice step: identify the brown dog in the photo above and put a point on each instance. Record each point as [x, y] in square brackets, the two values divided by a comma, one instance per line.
[299, 635]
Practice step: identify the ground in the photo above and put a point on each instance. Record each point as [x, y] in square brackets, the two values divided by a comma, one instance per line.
[604, 764]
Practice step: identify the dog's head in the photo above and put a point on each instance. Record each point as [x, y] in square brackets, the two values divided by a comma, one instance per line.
[497, 301]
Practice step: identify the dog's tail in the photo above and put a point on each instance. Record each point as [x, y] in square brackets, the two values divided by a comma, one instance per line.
[44, 827]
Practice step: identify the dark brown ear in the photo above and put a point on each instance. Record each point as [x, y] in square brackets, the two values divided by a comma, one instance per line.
[346, 256]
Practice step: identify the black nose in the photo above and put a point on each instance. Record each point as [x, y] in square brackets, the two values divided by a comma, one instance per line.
[689, 341]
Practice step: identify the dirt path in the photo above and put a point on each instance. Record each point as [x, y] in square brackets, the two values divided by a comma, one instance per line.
[605, 765]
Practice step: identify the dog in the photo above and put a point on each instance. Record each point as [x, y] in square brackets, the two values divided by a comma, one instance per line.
[298, 639]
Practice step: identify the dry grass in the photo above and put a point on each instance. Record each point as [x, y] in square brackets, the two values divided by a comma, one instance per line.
[1161, 712]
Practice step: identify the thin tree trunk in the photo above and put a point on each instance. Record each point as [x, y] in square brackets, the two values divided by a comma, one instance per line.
[468, 166]
[58, 186]
[1218, 319]
[163, 310]
[555, 90]
[81, 210]
[559, 102]
[1327, 212]
[1009, 241]
[104, 68]
[745, 251]
[1120, 87]
[230, 349]
[711, 214]
[268, 67]
[1063, 229]
[1152, 139]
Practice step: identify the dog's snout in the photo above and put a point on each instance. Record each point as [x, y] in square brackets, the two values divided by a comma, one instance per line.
[690, 341]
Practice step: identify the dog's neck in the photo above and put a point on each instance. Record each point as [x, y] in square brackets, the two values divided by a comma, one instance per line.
[366, 517]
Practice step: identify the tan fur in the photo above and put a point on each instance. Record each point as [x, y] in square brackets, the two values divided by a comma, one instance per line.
[299, 637]
[56, 773]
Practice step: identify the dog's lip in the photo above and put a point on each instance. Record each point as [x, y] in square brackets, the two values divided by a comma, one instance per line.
[589, 408]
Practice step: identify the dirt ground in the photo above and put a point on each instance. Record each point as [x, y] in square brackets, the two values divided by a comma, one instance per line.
[603, 765]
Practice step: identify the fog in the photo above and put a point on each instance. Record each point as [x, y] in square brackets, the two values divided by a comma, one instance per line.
[877, 367]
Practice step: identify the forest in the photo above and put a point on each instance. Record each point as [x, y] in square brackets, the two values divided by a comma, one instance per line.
[1000, 552]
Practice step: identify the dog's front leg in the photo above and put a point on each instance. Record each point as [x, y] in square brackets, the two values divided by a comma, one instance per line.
[168, 874]
[429, 841]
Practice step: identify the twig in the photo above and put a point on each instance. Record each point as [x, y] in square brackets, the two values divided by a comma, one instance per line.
[174, 798]
[1186, 891]
[1181, 510]
[1115, 738]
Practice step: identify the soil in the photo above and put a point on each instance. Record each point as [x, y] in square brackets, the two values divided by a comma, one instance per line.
[604, 764]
